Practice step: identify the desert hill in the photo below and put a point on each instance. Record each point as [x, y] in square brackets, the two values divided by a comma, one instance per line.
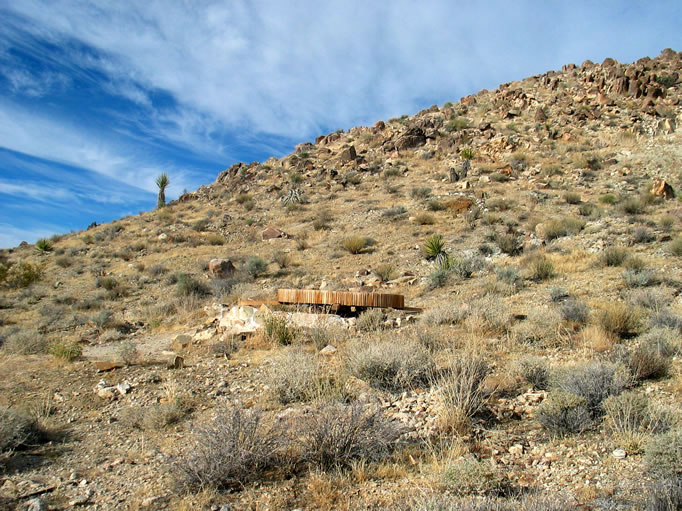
[538, 228]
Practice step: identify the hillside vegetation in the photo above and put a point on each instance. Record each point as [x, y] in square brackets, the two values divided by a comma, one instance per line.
[538, 227]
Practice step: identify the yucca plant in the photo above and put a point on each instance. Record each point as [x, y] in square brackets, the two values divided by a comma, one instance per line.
[162, 182]
[434, 246]
[43, 245]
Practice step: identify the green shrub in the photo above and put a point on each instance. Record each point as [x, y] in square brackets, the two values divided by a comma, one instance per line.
[66, 350]
[275, 328]
[434, 246]
[609, 198]
[44, 245]
[391, 366]
[572, 198]
[437, 278]
[632, 206]
[354, 244]
[675, 247]
[613, 256]
[370, 320]
[22, 274]
[563, 413]
[255, 266]
[639, 277]
[189, 286]
[541, 268]
[421, 192]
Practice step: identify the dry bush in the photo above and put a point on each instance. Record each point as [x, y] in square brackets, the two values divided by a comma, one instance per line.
[535, 370]
[663, 455]
[649, 361]
[234, 448]
[631, 413]
[489, 315]
[370, 320]
[25, 342]
[618, 319]
[277, 330]
[424, 219]
[445, 314]
[542, 327]
[334, 436]
[558, 228]
[461, 390]
[354, 244]
[644, 277]
[594, 382]
[295, 376]
[17, 430]
[574, 311]
[539, 267]
[665, 494]
[391, 366]
[613, 256]
[469, 476]
[563, 413]
[385, 272]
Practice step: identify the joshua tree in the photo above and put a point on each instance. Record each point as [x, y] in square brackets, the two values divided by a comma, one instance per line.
[162, 182]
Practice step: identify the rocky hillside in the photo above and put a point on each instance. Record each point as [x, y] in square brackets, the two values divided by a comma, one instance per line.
[538, 228]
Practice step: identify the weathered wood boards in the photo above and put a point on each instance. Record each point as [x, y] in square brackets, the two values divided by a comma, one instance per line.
[343, 298]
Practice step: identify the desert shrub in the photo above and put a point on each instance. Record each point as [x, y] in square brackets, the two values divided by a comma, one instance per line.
[187, 285]
[675, 247]
[558, 228]
[17, 430]
[103, 319]
[215, 240]
[22, 274]
[543, 327]
[649, 361]
[394, 212]
[65, 350]
[535, 370]
[63, 261]
[25, 342]
[437, 278]
[663, 455]
[572, 198]
[563, 413]
[461, 388]
[594, 382]
[108, 283]
[276, 329]
[334, 436]
[613, 256]
[508, 243]
[509, 276]
[424, 219]
[385, 272]
[631, 412]
[322, 220]
[608, 198]
[467, 476]
[354, 244]
[588, 209]
[639, 278]
[391, 172]
[434, 246]
[370, 320]
[665, 318]
[652, 299]
[633, 262]
[464, 267]
[242, 198]
[391, 366]
[665, 494]
[234, 448]
[540, 267]
[435, 205]
[575, 311]
[421, 192]
[632, 206]
[618, 319]
[282, 259]
[445, 314]
[666, 222]
[643, 235]
[490, 313]
[297, 376]
[255, 266]
[201, 225]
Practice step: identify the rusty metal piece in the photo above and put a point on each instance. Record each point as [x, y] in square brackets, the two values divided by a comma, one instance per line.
[343, 298]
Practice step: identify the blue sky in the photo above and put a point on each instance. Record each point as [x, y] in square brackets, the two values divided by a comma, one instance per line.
[99, 97]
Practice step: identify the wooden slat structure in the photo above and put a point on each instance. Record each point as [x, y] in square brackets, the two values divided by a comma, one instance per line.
[340, 298]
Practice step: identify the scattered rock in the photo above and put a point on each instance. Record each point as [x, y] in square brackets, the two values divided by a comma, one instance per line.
[328, 350]
[271, 233]
[107, 365]
[176, 362]
[619, 454]
[181, 343]
[661, 188]
[221, 268]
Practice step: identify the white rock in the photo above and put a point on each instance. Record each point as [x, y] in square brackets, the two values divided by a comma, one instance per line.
[619, 454]
[328, 350]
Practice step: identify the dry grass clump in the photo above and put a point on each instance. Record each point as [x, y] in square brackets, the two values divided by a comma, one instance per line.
[572, 198]
[558, 228]
[663, 455]
[296, 376]
[534, 370]
[563, 413]
[613, 256]
[468, 476]
[391, 366]
[461, 389]
[425, 219]
[17, 430]
[618, 319]
[445, 314]
[542, 327]
[489, 315]
[385, 272]
[370, 320]
[277, 330]
[354, 244]
[649, 361]
[631, 413]
[539, 267]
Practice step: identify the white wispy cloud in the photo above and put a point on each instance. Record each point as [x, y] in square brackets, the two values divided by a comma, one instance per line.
[292, 68]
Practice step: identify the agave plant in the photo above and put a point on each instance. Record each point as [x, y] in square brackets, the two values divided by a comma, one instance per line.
[162, 182]
[434, 246]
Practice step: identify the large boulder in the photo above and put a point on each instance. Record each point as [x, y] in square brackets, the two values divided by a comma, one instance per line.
[662, 189]
[413, 137]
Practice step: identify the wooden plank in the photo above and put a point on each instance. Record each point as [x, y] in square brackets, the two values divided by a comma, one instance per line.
[345, 298]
